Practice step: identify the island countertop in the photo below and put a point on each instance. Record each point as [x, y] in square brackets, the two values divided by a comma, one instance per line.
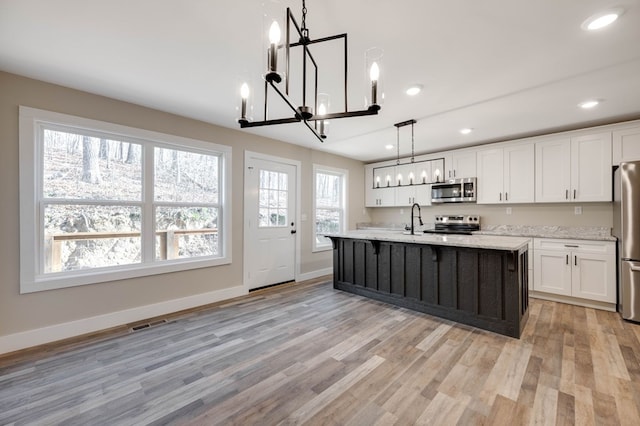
[491, 242]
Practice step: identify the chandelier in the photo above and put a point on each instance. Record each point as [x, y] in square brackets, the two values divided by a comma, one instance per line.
[311, 99]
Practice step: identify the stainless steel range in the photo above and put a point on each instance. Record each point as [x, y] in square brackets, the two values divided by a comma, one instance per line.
[455, 224]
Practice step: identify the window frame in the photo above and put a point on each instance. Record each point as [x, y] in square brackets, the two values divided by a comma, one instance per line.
[31, 162]
[344, 178]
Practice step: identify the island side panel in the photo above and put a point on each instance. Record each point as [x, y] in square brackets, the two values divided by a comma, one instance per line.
[491, 285]
[359, 263]
[479, 287]
[468, 283]
[413, 271]
[429, 266]
[447, 277]
[398, 265]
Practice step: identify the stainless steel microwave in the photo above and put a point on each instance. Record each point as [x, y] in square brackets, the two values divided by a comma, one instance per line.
[454, 191]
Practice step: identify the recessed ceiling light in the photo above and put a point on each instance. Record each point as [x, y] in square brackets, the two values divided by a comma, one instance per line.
[588, 104]
[601, 20]
[414, 89]
[388, 146]
[466, 130]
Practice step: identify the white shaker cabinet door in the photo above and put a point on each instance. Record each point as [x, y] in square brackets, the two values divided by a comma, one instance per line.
[490, 176]
[626, 145]
[519, 172]
[591, 167]
[553, 171]
[552, 272]
[593, 277]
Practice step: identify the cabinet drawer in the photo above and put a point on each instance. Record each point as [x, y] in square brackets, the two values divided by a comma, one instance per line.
[578, 246]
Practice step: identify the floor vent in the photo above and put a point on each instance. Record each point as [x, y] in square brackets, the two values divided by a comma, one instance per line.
[148, 325]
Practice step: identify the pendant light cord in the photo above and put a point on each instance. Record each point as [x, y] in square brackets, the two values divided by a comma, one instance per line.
[398, 145]
[412, 145]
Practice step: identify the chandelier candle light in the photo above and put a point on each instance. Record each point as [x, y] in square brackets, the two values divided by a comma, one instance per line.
[273, 79]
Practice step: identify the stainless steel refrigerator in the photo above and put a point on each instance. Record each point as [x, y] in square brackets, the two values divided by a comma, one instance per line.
[626, 227]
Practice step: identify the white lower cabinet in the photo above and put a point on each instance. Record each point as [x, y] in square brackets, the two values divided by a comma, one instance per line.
[575, 268]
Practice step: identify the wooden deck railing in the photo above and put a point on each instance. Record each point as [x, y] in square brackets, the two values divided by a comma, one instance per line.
[169, 243]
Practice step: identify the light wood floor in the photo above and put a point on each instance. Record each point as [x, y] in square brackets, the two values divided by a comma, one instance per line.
[310, 354]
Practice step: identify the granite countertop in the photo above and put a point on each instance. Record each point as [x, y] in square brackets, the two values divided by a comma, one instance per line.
[492, 242]
[596, 233]
[562, 232]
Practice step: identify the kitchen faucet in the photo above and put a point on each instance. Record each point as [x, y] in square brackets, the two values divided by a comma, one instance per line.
[412, 216]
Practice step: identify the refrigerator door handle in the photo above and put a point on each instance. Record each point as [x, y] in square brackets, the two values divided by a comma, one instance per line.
[635, 268]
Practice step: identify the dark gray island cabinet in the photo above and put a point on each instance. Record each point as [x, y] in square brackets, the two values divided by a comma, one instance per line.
[476, 280]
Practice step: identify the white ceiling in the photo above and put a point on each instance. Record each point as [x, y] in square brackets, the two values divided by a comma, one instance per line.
[504, 68]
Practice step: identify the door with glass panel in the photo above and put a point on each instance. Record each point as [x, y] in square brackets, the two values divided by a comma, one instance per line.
[270, 222]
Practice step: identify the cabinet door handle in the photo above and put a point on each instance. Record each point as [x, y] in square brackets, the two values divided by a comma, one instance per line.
[566, 194]
[575, 260]
[500, 196]
[567, 260]
[454, 172]
[571, 246]
[506, 196]
[574, 194]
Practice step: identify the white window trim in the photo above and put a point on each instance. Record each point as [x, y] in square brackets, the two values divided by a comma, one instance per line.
[31, 277]
[345, 184]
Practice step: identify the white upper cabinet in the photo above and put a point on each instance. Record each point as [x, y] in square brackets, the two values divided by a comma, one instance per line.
[519, 173]
[626, 145]
[574, 169]
[490, 176]
[591, 174]
[459, 164]
[571, 167]
[553, 170]
[506, 174]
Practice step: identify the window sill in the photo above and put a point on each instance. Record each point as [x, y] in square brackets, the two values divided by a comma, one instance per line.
[56, 281]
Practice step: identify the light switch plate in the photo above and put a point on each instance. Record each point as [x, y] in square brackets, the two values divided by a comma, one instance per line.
[577, 210]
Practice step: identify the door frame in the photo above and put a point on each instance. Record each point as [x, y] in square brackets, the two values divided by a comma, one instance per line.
[248, 155]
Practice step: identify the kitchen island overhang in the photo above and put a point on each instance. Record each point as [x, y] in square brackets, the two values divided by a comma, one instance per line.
[475, 280]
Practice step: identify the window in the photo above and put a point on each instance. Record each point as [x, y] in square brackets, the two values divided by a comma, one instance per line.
[330, 208]
[101, 202]
[273, 199]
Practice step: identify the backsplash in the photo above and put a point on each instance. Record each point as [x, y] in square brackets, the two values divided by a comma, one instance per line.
[593, 214]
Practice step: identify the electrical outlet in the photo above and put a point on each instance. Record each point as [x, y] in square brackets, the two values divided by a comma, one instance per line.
[508, 210]
[577, 210]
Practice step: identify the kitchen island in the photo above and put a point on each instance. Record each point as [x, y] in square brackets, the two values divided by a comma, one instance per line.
[478, 280]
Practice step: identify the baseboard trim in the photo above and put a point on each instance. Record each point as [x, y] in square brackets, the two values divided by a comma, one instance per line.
[611, 307]
[314, 274]
[40, 336]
